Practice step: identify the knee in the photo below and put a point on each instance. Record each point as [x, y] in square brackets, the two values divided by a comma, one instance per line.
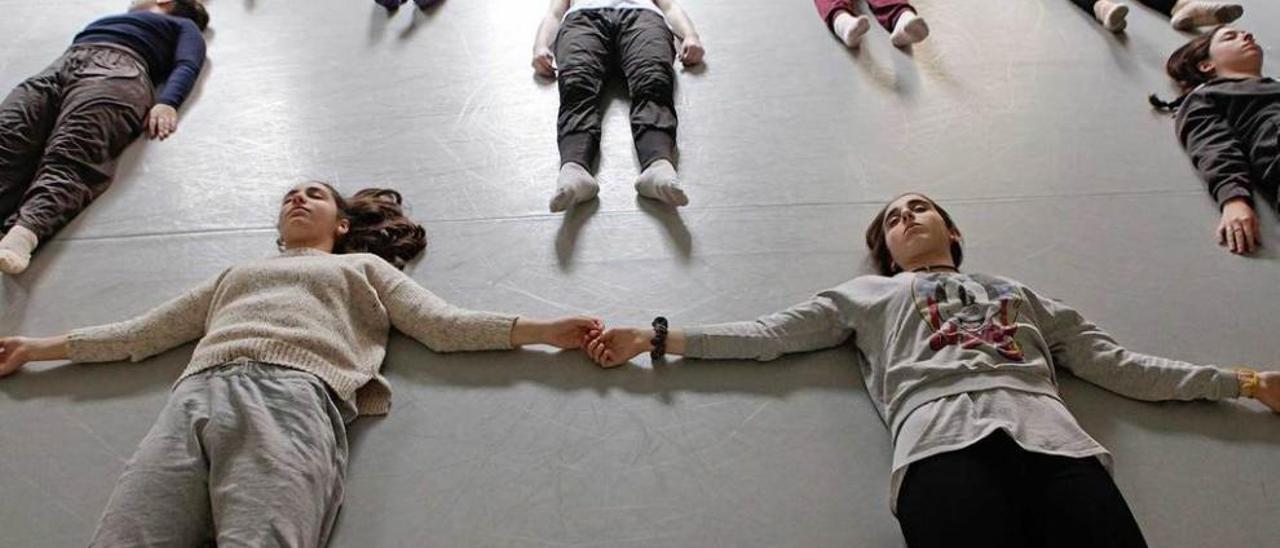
[653, 80]
[577, 83]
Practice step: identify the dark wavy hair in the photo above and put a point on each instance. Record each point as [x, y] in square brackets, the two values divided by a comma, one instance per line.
[378, 225]
[879, 246]
[1184, 68]
[193, 10]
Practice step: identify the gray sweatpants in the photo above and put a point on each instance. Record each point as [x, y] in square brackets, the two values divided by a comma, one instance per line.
[246, 454]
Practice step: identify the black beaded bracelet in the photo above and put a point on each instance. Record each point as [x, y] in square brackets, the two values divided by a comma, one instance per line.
[659, 340]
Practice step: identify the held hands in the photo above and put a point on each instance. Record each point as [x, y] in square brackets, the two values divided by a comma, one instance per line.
[617, 345]
[162, 121]
[544, 62]
[691, 51]
[1238, 230]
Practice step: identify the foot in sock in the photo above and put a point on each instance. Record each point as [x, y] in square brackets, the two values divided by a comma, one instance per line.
[909, 29]
[391, 5]
[574, 185]
[1111, 15]
[850, 28]
[16, 248]
[660, 182]
[1189, 14]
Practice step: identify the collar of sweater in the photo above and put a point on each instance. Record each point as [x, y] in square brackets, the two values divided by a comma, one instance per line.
[299, 251]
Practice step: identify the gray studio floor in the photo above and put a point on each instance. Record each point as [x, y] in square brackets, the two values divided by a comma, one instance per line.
[1023, 117]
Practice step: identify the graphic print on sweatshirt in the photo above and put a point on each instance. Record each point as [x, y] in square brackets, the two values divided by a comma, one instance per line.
[969, 311]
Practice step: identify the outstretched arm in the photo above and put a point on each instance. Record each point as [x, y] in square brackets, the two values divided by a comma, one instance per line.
[179, 321]
[443, 327]
[691, 50]
[808, 326]
[1091, 354]
[16, 352]
[543, 58]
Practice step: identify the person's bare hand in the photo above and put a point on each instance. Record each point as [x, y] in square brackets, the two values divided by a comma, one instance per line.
[1269, 389]
[691, 51]
[544, 63]
[1238, 230]
[15, 352]
[571, 332]
[162, 121]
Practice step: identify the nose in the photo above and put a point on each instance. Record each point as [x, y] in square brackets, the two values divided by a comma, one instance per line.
[1248, 37]
[908, 217]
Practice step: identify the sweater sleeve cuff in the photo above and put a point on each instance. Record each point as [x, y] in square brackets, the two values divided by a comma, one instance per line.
[496, 329]
[95, 344]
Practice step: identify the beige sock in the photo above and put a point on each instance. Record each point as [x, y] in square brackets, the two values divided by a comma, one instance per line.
[850, 28]
[16, 248]
[660, 182]
[574, 185]
[1189, 14]
[909, 29]
[1111, 15]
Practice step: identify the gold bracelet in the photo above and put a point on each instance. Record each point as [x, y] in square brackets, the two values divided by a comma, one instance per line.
[1249, 382]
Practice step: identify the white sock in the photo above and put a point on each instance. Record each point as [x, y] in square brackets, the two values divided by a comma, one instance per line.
[1111, 15]
[850, 28]
[16, 248]
[1189, 14]
[909, 29]
[660, 182]
[574, 185]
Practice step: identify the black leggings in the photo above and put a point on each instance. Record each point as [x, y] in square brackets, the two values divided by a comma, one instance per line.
[1162, 6]
[996, 494]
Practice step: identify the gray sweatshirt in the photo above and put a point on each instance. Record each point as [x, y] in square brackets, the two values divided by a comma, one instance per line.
[949, 358]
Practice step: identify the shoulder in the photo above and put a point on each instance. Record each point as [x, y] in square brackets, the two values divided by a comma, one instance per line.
[871, 287]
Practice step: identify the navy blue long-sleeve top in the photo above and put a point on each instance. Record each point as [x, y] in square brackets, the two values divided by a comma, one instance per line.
[172, 47]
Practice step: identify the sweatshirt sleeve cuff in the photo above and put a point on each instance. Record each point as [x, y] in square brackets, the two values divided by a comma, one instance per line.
[1227, 384]
[1231, 191]
[695, 342]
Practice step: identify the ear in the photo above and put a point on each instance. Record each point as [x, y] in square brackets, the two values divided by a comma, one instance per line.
[1206, 67]
[955, 236]
[344, 226]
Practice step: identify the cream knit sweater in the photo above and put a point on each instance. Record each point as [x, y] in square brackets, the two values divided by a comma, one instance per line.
[325, 314]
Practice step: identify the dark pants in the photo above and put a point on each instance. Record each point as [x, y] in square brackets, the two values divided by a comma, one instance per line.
[1162, 6]
[886, 11]
[592, 44]
[996, 494]
[62, 130]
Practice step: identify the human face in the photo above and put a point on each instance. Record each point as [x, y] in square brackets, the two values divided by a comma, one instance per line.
[309, 217]
[916, 234]
[1233, 52]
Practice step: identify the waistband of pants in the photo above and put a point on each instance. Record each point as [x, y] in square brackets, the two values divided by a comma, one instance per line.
[251, 368]
[108, 45]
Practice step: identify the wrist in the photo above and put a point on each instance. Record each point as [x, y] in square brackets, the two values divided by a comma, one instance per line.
[47, 348]
[1250, 382]
[527, 331]
[1236, 202]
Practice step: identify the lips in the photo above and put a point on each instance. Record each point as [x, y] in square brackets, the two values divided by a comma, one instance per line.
[297, 210]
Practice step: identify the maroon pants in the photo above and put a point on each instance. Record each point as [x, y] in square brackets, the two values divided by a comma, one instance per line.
[886, 11]
[61, 132]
